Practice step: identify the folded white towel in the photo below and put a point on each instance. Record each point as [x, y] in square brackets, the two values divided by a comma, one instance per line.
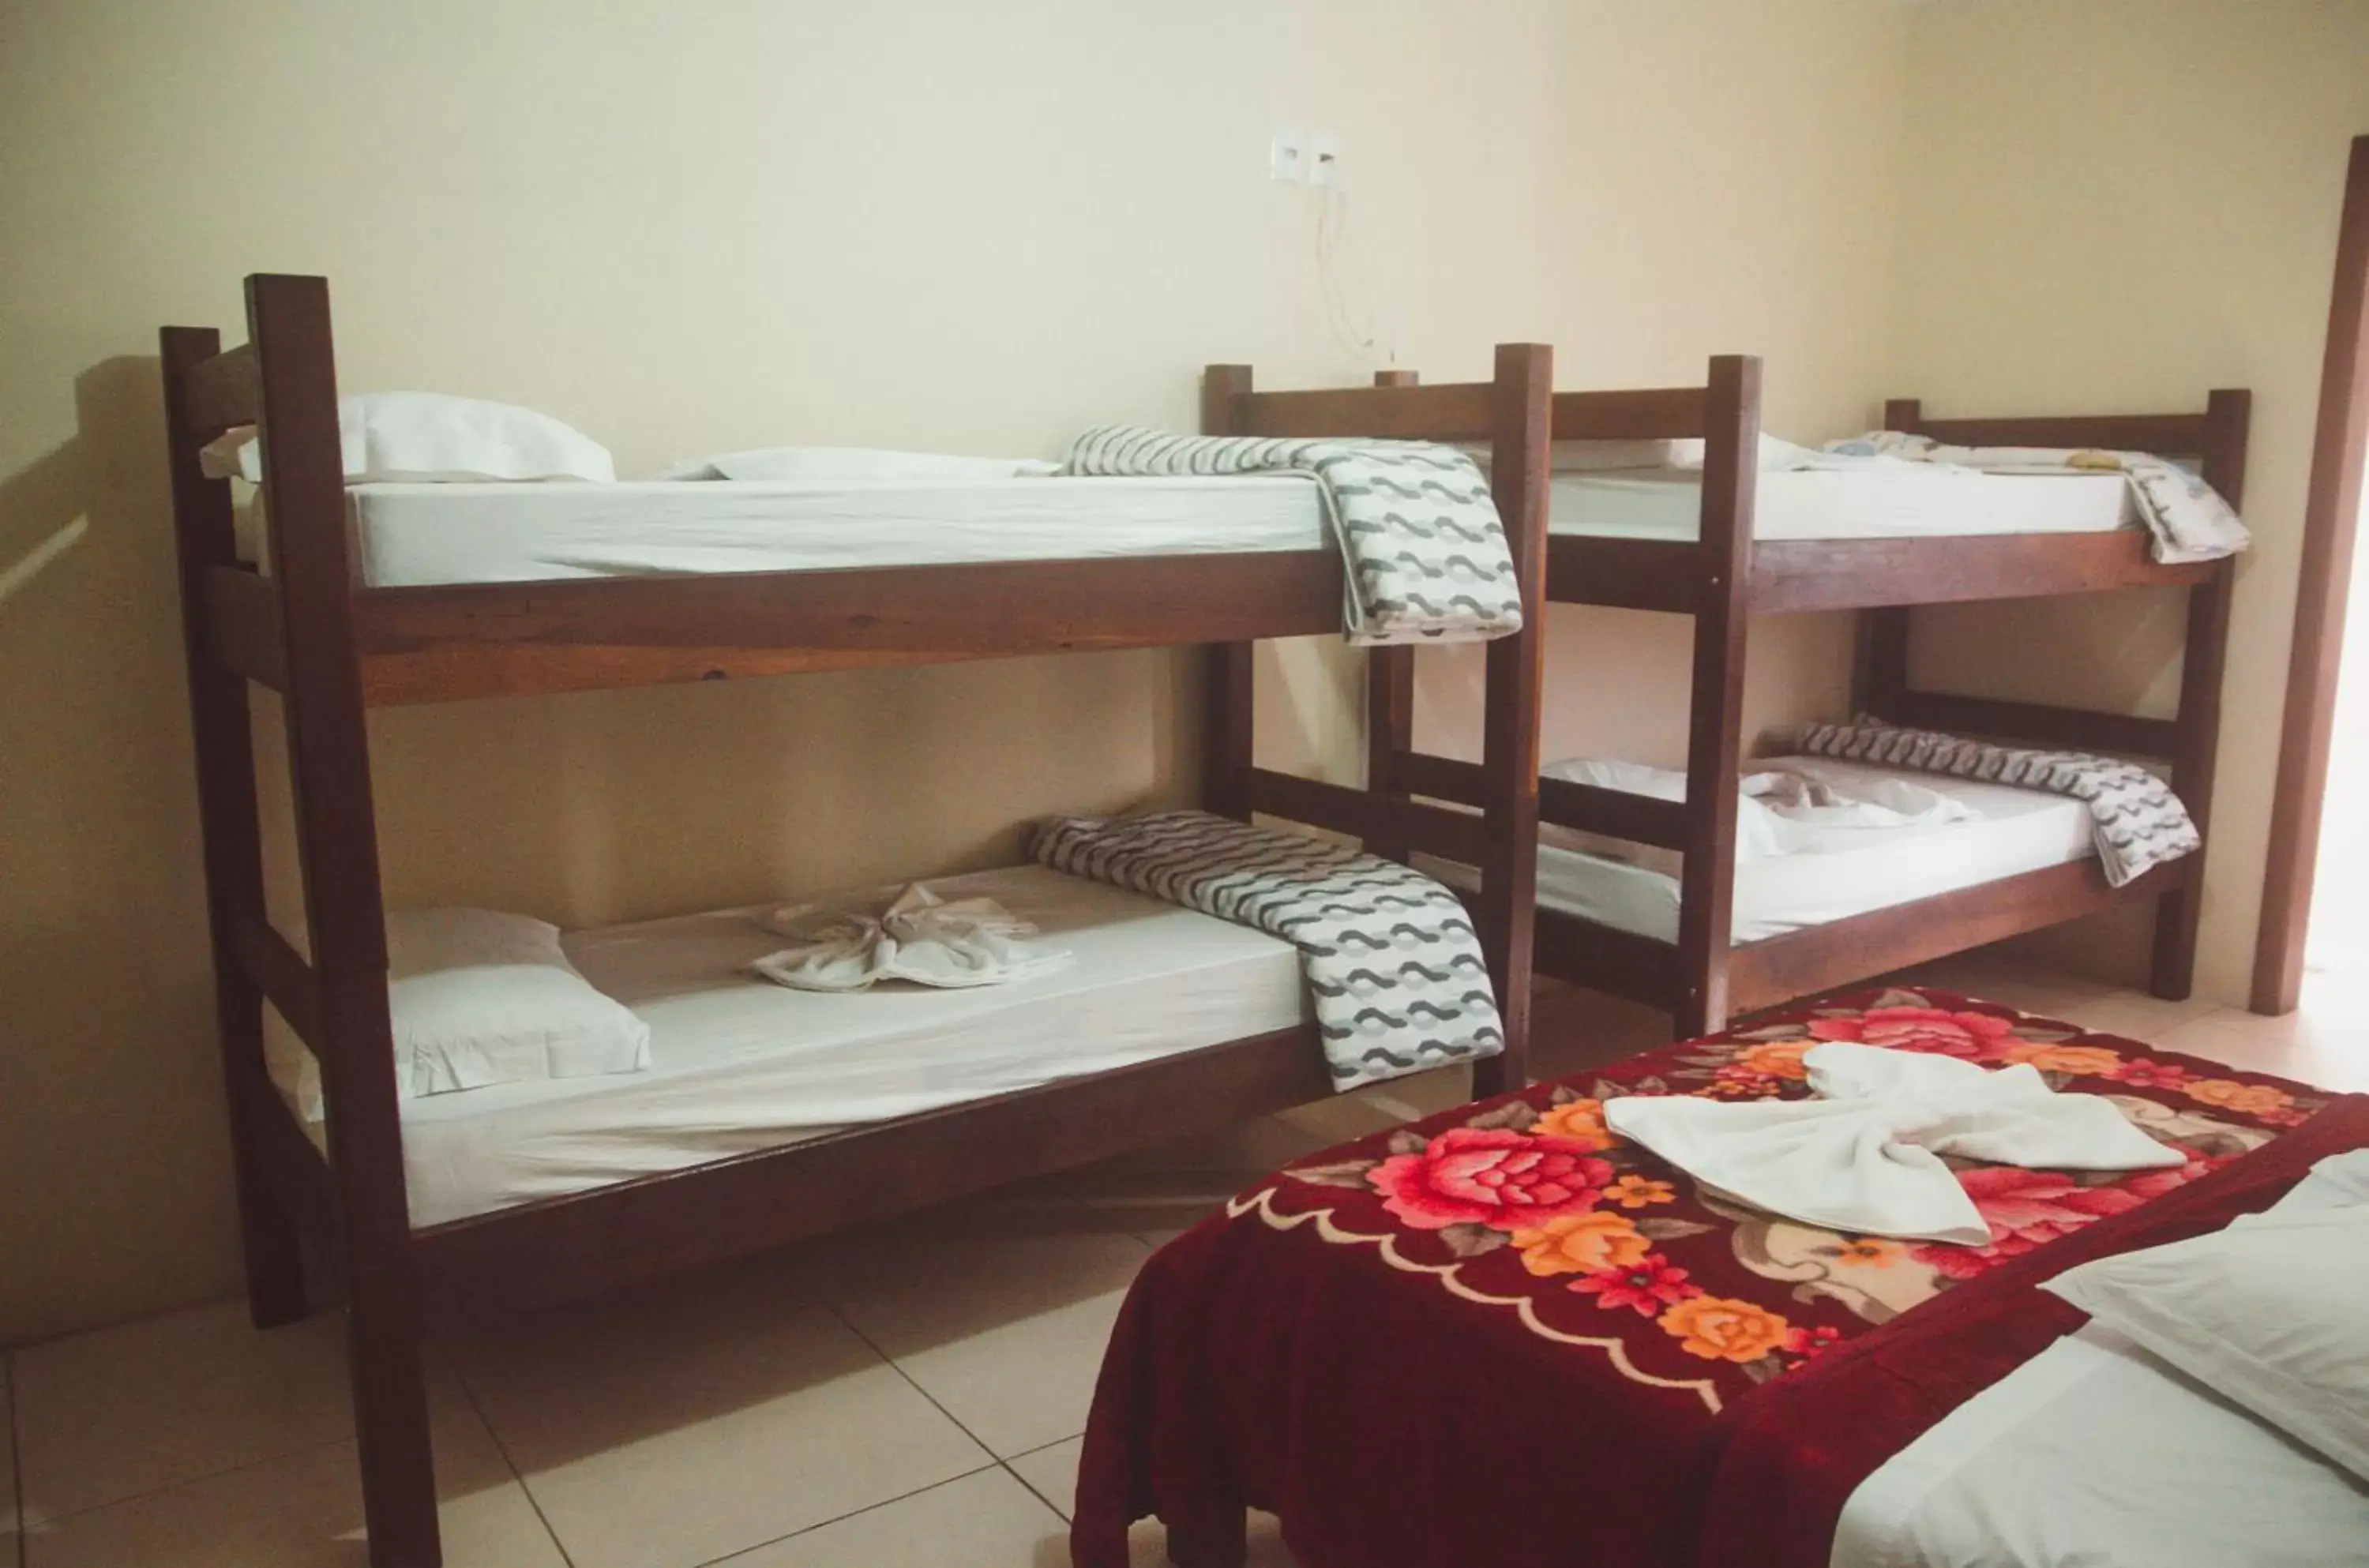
[1864, 1157]
[1796, 797]
[918, 937]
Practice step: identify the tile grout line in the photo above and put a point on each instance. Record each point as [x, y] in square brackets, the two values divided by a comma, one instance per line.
[143, 1494]
[461, 1380]
[1037, 1491]
[992, 1464]
[891, 1362]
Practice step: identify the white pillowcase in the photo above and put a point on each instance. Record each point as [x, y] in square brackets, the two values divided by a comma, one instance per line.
[2272, 1314]
[423, 436]
[844, 463]
[479, 996]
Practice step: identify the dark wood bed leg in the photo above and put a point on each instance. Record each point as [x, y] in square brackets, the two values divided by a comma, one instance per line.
[1879, 669]
[1227, 692]
[1215, 1537]
[336, 835]
[1390, 736]
[1522, 417]
[1715, 720]
[1390, 722]
[2197, 730]
[204, 534]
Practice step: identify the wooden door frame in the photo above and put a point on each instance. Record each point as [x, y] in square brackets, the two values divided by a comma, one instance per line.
[2332, 511]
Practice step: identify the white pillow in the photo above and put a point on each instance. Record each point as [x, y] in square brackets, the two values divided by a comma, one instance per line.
[421, 436]
[840, 463]
[2272, 1314]
[1761, 833]
[479, 996]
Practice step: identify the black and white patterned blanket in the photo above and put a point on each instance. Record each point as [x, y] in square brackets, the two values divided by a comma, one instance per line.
[1420, 536]
[2137, 822]
[1390, 956]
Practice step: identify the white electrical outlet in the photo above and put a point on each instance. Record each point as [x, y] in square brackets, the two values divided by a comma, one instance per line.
[1287, 156]
[1325, 160]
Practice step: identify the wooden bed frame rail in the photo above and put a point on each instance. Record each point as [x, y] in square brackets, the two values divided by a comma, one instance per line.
[1725, 577]
[306, 628]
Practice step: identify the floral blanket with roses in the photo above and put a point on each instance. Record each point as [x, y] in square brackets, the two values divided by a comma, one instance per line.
[1505, 1336]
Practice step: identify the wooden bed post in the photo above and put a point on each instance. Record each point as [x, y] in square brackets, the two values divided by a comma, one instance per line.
[1880, 662]
[220, 733]
[1715, 733]
[1229, 690]
[2197, 730]
[1390, 722]
[1523, 417]
[329, 749]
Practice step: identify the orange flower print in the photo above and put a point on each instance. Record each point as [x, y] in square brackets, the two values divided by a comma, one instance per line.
[1637, 1192]
[2091, 1060]
[1581, 1121]
[1778, 1059]
[1869, 1252]
[2248, 1099]
[1719, 1329]
[1582, 1243]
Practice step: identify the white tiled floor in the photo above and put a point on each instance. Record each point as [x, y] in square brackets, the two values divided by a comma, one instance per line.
[912, 1395]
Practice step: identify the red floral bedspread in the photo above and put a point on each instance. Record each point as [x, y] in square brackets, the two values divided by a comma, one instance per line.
[1504, 1335]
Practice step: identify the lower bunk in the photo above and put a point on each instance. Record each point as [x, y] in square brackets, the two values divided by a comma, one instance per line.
[1898, 867]
[1508, 1334]
[585, 1111]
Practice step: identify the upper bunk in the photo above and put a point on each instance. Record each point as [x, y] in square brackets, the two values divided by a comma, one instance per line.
[1822, 540]
[449, 592]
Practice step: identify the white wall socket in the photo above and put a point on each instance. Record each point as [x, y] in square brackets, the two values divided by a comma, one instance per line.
[1325, 160]
[1287, 156]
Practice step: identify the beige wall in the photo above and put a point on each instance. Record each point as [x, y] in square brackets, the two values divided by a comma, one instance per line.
[690, 229]
[2117, 205]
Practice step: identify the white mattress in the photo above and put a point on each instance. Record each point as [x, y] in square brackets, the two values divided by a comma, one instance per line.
[739, 1063]
[2094, 1452]
[416, 534]
[1851, 871]
[1895, 501]
[413, 534]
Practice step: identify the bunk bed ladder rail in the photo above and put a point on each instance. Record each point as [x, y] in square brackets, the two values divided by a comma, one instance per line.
[1723, 617]
[1513, 412]
[294, 632]
[2190, 739]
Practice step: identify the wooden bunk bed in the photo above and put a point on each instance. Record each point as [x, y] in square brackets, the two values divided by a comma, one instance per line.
[1724, 578]
[312, 630]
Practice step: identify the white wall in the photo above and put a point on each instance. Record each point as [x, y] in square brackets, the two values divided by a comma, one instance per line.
[2117, 205]
[683, 229]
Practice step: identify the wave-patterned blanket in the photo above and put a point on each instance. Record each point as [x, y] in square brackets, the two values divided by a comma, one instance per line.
[1390, 956]
[1420, 536]
[2137, 822]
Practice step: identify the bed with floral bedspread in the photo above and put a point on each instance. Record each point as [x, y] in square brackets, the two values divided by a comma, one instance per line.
[1504, 1335]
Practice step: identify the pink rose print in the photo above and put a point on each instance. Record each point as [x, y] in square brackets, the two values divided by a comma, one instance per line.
[1489, 1177]
[1977, 1037]
[2141, 1073]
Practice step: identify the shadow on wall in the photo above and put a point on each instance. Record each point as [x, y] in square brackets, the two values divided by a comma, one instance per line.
[104, 969]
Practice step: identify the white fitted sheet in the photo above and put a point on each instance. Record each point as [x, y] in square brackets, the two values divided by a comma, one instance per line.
[2095, 1452]
[1857, 869]
[416, 535]
[737, 1063]
[1895, 501]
